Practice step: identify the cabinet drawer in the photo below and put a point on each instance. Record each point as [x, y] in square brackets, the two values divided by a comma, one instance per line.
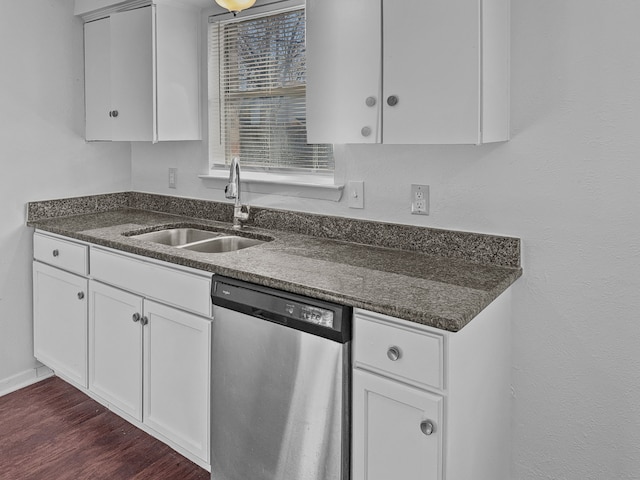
[168, 285]
[60, 253]
[408, 354]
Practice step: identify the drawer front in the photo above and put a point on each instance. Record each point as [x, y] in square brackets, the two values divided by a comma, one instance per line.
[60, 253]
[165, 284]
[408, 354]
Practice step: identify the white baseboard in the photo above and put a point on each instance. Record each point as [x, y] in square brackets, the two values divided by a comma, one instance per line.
[24, 379]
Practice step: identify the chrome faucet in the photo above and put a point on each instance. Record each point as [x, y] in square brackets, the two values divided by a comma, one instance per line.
[232, 190]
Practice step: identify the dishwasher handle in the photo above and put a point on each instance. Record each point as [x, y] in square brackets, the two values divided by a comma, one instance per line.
[270, 317]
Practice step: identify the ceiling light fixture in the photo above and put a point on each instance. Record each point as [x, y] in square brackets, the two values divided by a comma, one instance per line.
[235, 6]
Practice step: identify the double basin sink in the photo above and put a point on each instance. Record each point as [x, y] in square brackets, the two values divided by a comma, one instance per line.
[197, 240]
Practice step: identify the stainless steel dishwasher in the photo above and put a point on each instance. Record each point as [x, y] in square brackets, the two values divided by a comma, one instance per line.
[280, 390]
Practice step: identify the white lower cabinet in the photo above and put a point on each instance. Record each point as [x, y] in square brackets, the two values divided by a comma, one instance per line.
[397, 430]
[133, 333]
[151, 362]
[430, 404]
[60, 322]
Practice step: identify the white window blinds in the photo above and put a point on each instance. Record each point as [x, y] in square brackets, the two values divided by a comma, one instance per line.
[257, 108]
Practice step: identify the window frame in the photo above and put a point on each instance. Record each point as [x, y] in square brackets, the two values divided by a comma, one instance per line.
[217, 166]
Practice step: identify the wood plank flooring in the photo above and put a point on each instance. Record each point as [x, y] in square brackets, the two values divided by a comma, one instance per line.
[52, 431]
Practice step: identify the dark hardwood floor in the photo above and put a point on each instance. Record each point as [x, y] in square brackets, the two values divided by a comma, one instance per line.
[52, 431]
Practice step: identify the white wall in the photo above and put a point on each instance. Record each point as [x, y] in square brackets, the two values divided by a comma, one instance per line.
[42, 151]
[568, 184]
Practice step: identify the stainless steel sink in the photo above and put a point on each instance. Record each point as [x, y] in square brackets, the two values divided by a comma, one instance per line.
[229, 243]
[177, 236]
[196, 240]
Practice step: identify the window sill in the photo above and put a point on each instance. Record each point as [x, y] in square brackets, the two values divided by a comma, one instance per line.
[317, 187]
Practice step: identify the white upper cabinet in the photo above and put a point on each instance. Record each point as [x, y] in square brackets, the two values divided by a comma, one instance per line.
[142, 75]
[424, 72]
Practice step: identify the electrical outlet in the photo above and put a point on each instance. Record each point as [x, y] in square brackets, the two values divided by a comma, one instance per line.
[173, 177]
[419, 199]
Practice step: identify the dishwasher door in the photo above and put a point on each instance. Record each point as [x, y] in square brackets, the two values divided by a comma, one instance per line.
[279, 402]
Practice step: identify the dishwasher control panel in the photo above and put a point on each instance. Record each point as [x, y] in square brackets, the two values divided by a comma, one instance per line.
[319, 316]
[297, 311]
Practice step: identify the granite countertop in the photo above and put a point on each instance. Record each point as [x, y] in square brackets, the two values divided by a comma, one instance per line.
[430, 289]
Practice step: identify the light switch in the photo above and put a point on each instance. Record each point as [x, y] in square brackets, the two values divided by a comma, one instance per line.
[355, 193]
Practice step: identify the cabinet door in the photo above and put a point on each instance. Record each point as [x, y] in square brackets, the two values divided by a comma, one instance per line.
[115, 348]
[388, 441]
[177, 44]
[176, 376]
[133, 87]
[343, 71]
[97, 79]
[60, 322]
[432, 65]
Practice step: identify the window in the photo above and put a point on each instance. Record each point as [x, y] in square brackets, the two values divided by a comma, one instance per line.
[257, 104]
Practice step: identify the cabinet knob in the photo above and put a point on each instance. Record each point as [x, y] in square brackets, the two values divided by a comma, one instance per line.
[80, 295]
[427, 427]
[113, 113]
[135, 317]
[370, 101]
[394, 353]
[392, 101]
[366, 131]
[55, 253]
[144, 321]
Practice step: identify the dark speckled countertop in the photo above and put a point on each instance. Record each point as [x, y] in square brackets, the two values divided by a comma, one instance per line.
[434, 277]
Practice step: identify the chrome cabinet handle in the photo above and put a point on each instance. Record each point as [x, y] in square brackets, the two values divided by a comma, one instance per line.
[392, 101]
[366, 131]
[370, 101]
[55, 253]
[427, 427]
[394, 353]
[135, 317]
[144, 321]
[80, 295]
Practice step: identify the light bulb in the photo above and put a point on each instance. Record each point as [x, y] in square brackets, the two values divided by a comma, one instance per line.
[235, 6]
